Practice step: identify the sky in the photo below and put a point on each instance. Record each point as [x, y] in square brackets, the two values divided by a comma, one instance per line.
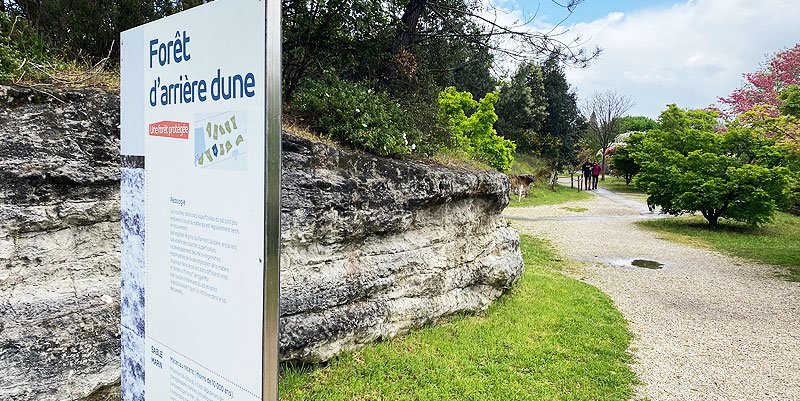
[659, 52]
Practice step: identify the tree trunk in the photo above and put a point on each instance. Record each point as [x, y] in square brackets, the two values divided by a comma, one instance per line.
[603, 167]
[709, 216]
[402, 39]
[410, 18]
[292, 79]
[713, 216]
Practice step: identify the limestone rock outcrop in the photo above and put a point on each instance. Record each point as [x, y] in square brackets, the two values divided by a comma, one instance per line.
[371, 247]
[59, 243]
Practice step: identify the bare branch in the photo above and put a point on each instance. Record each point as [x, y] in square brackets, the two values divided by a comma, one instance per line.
[603, 111]
[519, 41]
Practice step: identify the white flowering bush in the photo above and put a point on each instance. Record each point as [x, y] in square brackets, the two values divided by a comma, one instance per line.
[356, 115]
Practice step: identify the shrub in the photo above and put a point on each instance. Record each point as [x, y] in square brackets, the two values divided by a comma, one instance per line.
[356, 115]
[475, 133]
[623, 161]
[19, 45]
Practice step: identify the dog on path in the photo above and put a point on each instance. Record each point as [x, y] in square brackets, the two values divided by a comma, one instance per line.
[650, 205]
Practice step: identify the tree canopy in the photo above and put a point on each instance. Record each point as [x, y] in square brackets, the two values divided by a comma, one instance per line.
[475, 133]
[538, 111]
[91, 29]
[564, 126]
[522, 107]
[623, 161]
[686, 166]
[763, 87]
[636, 123]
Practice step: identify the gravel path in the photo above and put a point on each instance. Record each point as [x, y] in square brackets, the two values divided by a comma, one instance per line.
[707, 326]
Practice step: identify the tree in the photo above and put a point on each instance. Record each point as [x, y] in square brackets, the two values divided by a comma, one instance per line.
[515, 41]
[791, 101]
[636, 123]
[563, 123]
[583, 152]
[538, 111]
[764, 85]
[522, 107]
[91, 28]
[349, 37]
[391, 44]
[474, 74]
[784, 127]
[623, 161]
[603, 110]
[686, 166]
[475, 133]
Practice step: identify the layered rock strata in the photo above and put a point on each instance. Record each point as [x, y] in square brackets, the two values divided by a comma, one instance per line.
[59, 243]
[371, 247]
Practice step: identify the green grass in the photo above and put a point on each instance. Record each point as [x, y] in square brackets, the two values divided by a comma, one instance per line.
[575, 209]
[549, 338]
[526, 164]
[776, 243]
[544, 196]
[615, 184]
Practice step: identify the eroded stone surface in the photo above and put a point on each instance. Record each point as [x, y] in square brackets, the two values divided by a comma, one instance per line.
[59, 243]
[371, 247]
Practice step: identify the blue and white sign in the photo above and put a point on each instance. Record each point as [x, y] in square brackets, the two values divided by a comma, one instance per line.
[195, 183]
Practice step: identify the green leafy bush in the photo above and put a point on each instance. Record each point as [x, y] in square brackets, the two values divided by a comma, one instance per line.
[20, 44]
[475, 133]
[791, 101]
[356, 115]
[623, 161]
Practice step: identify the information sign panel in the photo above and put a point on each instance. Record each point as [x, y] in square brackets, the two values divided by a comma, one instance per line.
[200, 159]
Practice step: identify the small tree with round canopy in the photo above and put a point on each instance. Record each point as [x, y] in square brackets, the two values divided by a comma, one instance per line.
[686, 166]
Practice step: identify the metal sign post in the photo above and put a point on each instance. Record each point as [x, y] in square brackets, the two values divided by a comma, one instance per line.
[272, 194]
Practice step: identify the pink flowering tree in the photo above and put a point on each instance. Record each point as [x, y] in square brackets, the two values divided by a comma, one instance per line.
[764, 86]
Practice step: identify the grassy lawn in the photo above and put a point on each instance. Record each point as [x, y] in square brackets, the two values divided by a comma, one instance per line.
[542, 195]
[550, 338]
[525, 164]
[776, 243]
[617, 185]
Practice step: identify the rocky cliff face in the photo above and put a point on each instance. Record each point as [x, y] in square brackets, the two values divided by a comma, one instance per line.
[372, 247]
[59, 244]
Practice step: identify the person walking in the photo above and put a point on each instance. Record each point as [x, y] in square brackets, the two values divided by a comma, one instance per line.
[595, 174]
[587, 174]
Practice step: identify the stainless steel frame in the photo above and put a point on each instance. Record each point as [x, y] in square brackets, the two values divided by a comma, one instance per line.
[272, 196]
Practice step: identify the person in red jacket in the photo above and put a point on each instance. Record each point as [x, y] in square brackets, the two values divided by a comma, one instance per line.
[595, 173]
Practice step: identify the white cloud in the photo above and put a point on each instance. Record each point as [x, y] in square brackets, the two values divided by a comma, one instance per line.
[688, 54]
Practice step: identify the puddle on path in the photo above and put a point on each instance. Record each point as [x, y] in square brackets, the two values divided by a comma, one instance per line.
[642, 263]
[647, 264]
